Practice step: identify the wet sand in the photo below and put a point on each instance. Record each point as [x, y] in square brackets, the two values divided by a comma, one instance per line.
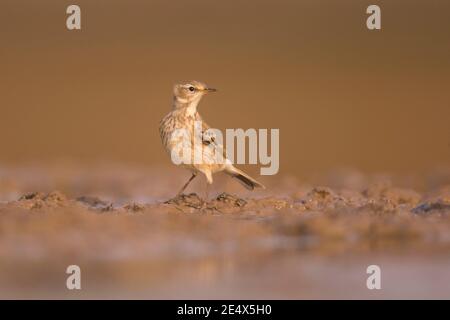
[296, 239]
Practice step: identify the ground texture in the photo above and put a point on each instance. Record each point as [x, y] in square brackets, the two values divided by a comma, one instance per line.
[132, 239]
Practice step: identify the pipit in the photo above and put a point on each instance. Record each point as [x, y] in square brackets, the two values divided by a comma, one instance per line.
[183, 118]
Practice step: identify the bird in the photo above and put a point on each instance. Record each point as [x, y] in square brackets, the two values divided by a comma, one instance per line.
[183, 118]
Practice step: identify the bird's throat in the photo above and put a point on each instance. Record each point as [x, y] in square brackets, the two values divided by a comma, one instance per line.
[190, 107]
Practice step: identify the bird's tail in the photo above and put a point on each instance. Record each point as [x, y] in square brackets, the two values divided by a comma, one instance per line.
[243, 178]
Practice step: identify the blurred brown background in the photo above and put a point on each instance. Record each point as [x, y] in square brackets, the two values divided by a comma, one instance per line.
[341, 95]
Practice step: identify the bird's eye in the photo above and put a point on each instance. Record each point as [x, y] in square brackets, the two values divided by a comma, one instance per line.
[192, 89]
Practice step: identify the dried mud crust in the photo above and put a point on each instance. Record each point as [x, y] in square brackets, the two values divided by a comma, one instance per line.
[378, 214]
[126, 230]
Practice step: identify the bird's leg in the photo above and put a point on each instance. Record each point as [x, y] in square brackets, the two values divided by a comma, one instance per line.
[209, 180]
[207, 192]
[186, 184]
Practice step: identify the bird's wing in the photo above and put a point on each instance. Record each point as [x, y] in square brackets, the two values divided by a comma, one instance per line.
[209, 138]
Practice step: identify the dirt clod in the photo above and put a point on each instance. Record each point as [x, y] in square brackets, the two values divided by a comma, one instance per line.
[230, 199]
[92, 201]
[439, 206]
[191, 200]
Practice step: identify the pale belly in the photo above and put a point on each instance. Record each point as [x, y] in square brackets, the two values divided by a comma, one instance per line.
[195, 156]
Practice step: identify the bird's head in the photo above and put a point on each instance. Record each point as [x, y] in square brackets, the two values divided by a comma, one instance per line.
[190, 92]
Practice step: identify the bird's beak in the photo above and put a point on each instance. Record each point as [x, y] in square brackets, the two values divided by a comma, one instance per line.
[210, 90]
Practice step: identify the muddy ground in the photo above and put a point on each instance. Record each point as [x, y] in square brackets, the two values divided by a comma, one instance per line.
[297, 239]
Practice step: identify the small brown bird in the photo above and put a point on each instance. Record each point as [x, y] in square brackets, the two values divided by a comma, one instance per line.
[184, 117]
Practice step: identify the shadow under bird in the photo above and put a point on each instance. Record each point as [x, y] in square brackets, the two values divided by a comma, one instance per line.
[184, 116]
